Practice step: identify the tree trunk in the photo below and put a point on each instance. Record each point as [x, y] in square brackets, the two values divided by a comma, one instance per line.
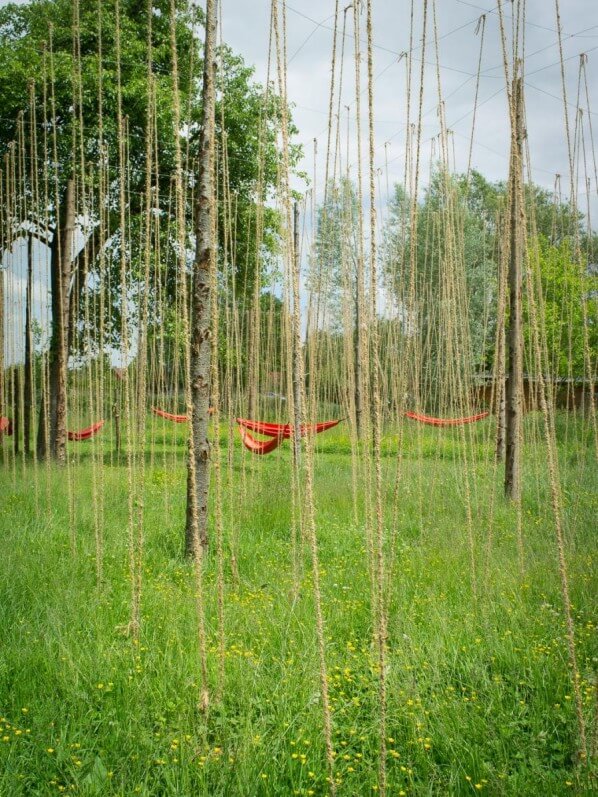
[61, 267]
[358, 363]
[28, 398]
[198, 474]
[500, 420]
[515, 337]
[297, 353]
[117, 435]
[2, 376]
[16, 413]
[500, 386]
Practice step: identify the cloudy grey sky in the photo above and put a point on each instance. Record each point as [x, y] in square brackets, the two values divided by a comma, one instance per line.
[245, 25]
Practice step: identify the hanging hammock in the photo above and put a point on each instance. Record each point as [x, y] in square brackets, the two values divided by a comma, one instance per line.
[259, 447]
[416, 416]
[285, 430]
[85, 434]
[170, 416]
[5, 426]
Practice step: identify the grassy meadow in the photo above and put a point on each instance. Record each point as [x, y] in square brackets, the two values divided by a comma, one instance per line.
[479, 688]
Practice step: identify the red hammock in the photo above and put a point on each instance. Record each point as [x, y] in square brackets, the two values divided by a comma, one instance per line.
[85, 434]
[175, 418]
[259, 447]
[285, 430]
[5, 426]
[415, 416]
[169, 415]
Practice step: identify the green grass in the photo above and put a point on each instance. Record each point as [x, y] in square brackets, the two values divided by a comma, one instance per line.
[480, 697]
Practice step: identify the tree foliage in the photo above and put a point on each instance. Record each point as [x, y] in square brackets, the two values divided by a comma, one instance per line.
[333, 267]
[38, 41]
[569, 291]
[473, 212]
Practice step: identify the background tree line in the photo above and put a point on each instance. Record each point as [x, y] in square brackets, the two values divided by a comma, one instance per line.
[414, 262]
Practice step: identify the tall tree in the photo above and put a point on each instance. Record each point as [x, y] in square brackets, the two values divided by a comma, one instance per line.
[198, 480]
[473, 209]
[332, 277]
[36, 41]
[480, 209]
[565, 287]
[514, 383]
[61, 270]
[28, 399]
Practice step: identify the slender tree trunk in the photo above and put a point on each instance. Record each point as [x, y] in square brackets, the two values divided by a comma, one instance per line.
[117, 434]
[501, 420]
[198, 474]
[501, 387]
[61, 267]
[28, 398]
[2, 376]
[16, 413]
[42, 431]
[297, 353]
[515, 333]
[358, 364]
[252, 339]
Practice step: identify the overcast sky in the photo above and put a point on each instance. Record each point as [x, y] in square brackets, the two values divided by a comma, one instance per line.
[245, 25]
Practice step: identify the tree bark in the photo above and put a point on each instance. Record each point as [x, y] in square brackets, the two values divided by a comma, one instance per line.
[500, 384]
[61, 269]
[117, 435]
[514, 383]
[297, 353]
[28, 380]
[358, 361]
[198, 474]
[16, 412]
[501, 419]
[2, 376]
